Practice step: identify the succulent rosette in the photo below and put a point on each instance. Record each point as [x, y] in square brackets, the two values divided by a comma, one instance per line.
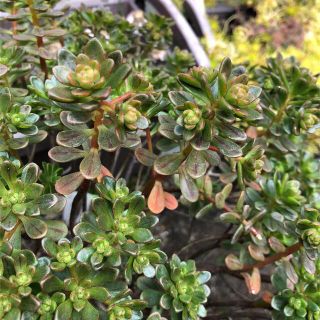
[89, 76]
[23, 200]
[64, 253]
[309, 228]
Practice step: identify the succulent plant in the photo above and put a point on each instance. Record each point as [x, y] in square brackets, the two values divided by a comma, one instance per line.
[64, 253]
[309, 228]
[181, 288]
[87, 77]
[237, 145]
[23, 201]
[17, 118]
[120, 228]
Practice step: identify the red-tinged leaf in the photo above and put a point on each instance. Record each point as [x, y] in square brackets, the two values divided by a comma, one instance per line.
[105, 172]
[156, 200]
[267, 296]
[252, 132]
[90, 166]
[253, 281]
[171, 202]
[255, 186]
[69, 183]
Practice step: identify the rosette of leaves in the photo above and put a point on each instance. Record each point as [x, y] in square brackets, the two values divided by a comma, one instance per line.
[118, 229]
[89, 76]
[49, 304]
[298, 290]
[12, 66]
[34, 20]
[64, 253]
[23, 202]
[179, 288]
[82, 288]
[266, 218]
[290, 100]
[204, 122]
[22, 272]
[280, 199]
[249, 166]
[144, 261]
[206, 119]
[291, 305]
[114, 31]
[156, 32]
[123, 307]
[113, 125]
[16, 118]
[22, 269]
[302, 166]
[309, 228]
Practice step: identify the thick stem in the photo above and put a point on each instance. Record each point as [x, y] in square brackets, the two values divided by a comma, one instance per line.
[269, 260]
[117, 100]
[35, 22]
[78, 199]
[14, 23]
[98, 119]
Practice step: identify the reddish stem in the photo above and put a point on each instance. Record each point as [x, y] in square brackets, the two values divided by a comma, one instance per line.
[35, 22]
[119, 99]
[212, 148]
[290, 250]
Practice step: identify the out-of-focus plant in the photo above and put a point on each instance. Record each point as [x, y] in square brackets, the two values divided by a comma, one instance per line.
[289, 26]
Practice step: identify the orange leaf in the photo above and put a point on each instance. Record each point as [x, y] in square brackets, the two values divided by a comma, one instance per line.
[252, 132]
[267, 296]
[156, 200]
[253, 281]
[171, 202]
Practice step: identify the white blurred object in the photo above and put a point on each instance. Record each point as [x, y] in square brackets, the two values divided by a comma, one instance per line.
[192, 41]
[199, 9]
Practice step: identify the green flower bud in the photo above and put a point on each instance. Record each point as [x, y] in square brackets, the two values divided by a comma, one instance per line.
[87, 75]
[131, 116]
[142, 260]
[79, 294]
[66, 255]
[17, 118]
[312, 236]
[239, 95]
[308, 120]
[191, 117]
[120, 313]
[22, 278]
[102, 246]
[47, 305]
[13, 197]
[268, 84]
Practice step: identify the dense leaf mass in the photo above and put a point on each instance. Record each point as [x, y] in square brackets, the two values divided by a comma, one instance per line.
[77, 239]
